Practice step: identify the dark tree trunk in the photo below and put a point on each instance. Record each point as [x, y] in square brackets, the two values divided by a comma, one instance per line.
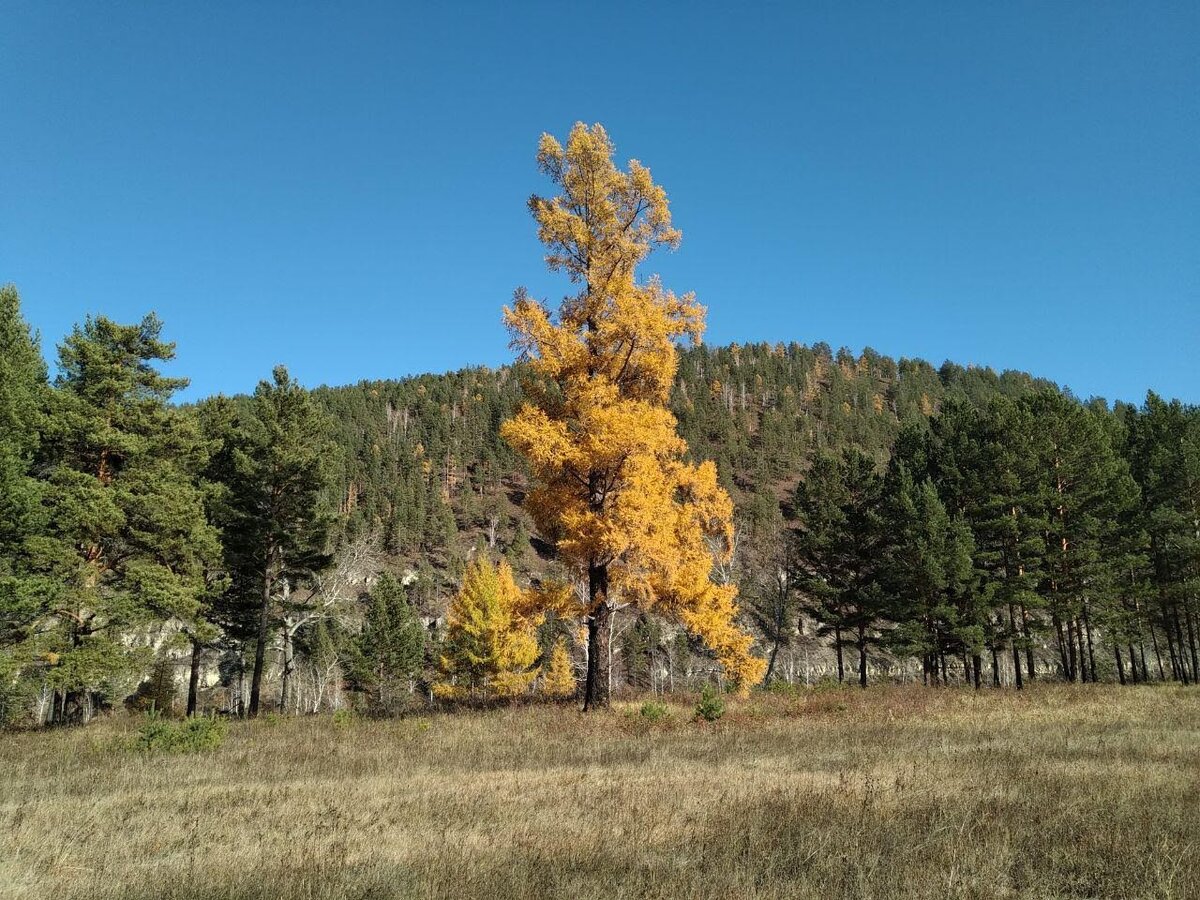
[1133, 666]
[1016, 653]
[194, 678]
[595, 691]
[837, 643]
[771, 661]
[995, 666]
[1162, 675]
[862, 656]
[1120, 667]
[976, 665]
[1062, 648]
[260, 646]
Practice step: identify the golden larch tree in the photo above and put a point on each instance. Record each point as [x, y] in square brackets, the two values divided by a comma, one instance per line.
[612, 490]
[559, 678]
[491, 644]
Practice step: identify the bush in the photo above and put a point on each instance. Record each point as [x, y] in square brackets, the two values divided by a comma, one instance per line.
[189, 736]
[711, 705]
[654, 711]
[344, 717]
[782, 688]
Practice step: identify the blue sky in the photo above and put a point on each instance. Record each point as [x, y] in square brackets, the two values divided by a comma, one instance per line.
[341, 187]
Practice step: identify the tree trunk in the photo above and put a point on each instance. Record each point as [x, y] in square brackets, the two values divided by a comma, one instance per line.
[260, 646]
[1162, 675]
[285, 689]
[595, 692]
[1016, 651]
[771, 661]
[194, 678]
[837, 643]
[1062, 648]
[1120, 667]
[976, 665]
[1133, 666]
[862, 656]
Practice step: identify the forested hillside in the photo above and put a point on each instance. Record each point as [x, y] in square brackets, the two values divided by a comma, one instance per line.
[422, 462]
[893, 519]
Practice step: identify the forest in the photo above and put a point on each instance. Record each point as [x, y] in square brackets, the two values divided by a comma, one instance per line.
[948, 524]
[623, 511]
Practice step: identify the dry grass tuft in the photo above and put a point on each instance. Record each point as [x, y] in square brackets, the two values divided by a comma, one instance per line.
[902, 792]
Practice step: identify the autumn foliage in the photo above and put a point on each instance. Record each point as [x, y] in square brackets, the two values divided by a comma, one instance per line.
[559, 678]
[491, 645]
[613, 491]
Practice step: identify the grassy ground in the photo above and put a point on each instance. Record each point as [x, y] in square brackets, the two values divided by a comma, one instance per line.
[896, 792]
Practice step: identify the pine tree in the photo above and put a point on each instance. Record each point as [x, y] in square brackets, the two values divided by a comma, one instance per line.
[129, 544]
[838, 551]
[275, 527]
[23, 397]
[1164, 453]
[392, 643]
[613, 492]
[1090, 493]
[491, 645]
[927, 572]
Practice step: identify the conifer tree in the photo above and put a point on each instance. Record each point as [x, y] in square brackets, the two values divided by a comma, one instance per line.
[129, 543]
[23, 397]
[838, 546]
[491, 645]
[1164, 452]
[559, 678]
[928, 573]
[392, 643]
[275, 527]
[1090, 494]
[613, 492]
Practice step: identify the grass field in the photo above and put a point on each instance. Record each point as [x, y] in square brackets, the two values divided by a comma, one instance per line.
[895, 792]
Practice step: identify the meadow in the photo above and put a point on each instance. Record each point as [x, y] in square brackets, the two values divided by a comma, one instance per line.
[1056, 791]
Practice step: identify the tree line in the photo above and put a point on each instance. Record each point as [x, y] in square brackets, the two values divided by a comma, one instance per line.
[571, 518]
[1014, 535]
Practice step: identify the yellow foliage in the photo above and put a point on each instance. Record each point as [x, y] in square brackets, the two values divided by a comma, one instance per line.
[490, 644]
[559, 680]
[612, 489]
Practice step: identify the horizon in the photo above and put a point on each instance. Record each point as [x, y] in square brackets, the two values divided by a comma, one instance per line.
[343, 193]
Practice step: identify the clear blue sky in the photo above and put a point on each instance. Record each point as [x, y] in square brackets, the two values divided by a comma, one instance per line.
[341, 187]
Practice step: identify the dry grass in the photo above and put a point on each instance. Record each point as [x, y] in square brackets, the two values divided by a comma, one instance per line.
[904, 792]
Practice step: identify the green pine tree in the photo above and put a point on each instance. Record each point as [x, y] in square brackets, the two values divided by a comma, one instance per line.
[129, 544]
[275, 529]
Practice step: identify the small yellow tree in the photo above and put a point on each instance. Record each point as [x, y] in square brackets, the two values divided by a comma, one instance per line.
[613, 492]
[490, 644]
[559, 679]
